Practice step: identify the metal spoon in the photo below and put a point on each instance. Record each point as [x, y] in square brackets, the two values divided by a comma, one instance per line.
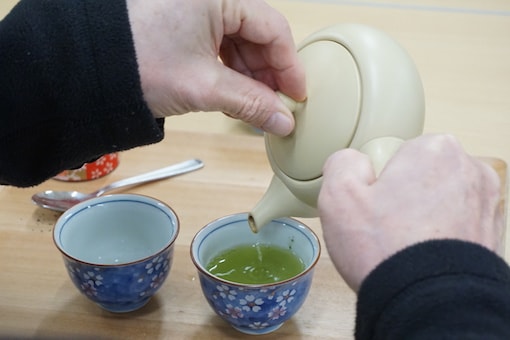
[63, 200]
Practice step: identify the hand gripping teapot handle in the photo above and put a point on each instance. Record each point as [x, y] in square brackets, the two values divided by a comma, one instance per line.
[380, 150]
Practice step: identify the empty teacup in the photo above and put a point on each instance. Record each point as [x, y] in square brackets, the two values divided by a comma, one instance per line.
[118, 249]
[255, 281]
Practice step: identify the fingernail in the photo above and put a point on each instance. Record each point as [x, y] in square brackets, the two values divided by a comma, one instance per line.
[280, 124]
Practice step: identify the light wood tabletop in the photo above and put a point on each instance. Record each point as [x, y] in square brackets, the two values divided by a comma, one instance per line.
[462, 51]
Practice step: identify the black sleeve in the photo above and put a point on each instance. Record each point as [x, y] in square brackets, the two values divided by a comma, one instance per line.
[436, 290]
[69, 88]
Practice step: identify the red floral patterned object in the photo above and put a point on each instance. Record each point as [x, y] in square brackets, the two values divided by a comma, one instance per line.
[99, 168]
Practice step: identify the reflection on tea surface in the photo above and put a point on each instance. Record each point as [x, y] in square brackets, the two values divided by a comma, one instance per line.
[256, 264]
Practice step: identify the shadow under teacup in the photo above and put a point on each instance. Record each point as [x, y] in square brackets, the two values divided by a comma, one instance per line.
[118, 249]
[255, 308]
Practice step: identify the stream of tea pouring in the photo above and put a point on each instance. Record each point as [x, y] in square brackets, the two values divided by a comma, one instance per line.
[364, 92]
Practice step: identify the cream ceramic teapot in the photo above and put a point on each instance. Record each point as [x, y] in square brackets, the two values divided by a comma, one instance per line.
[364, 92]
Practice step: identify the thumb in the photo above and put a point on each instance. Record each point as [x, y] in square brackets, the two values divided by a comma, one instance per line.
[253, 102]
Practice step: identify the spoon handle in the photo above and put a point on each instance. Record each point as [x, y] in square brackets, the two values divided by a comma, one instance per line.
[169, 171]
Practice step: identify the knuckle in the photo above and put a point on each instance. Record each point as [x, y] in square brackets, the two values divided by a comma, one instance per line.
[252, 111]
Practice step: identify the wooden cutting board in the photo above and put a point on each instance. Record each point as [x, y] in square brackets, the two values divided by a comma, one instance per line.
[501, 168]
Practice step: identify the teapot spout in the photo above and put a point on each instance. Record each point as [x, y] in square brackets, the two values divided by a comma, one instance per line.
[278, 201]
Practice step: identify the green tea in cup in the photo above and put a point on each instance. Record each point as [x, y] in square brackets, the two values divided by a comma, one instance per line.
[255, 281]
[256, 264]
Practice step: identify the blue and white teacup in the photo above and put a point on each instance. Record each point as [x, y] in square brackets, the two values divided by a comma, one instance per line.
[118, 249]
[255, 308]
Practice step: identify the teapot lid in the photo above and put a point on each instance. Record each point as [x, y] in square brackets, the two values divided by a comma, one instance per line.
[326, 121]
[361, 86]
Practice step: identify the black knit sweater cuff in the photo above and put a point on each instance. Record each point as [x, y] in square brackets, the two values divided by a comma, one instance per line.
[412, 289]
[70, 89]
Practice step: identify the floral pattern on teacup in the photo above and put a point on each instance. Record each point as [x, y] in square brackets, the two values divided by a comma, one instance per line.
[256, 308]
[120, 283]
[88, 171]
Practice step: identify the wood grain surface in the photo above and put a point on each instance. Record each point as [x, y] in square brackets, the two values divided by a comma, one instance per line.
[37, 298]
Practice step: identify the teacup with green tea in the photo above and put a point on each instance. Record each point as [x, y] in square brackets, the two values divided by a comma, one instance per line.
[255, 281]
